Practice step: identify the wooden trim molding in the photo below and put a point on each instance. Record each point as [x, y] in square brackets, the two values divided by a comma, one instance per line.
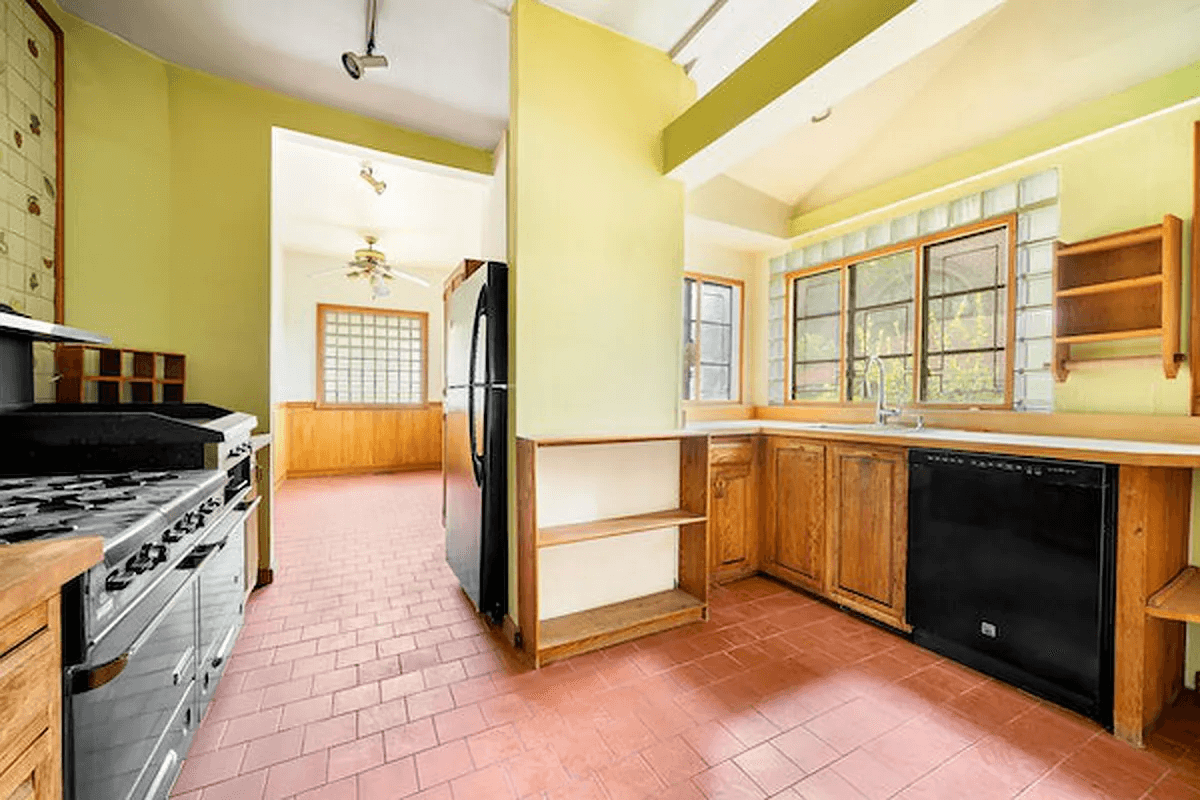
[1194, 317]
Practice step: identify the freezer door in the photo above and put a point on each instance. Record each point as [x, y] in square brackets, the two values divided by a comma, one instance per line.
[464, 496]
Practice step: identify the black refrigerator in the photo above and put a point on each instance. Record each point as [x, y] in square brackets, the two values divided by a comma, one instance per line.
[475, 466]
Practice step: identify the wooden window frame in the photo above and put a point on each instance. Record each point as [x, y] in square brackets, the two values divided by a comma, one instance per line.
[741, 328]
[918, 245]
[421, 316]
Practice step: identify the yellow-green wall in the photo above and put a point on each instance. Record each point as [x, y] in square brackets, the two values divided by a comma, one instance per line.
[168, 206]
[597, 231]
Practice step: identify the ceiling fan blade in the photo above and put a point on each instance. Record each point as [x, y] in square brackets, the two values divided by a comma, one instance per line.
[392, 272]
[321, 272]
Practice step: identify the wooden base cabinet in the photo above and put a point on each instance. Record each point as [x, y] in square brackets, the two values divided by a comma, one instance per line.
[868, 530]
[794, 502]
[732, 514]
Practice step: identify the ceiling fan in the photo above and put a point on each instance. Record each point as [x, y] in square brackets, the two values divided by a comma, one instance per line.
[371, 264]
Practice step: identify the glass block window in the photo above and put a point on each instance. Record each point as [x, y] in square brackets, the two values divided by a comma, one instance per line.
[370, 356]
[712, 339]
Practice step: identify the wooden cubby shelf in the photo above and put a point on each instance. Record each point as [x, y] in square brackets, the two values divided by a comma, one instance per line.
[113, 375]
[1123, 286]
[541, 549]
[615, 526]
[1179, 599]
[589, 630]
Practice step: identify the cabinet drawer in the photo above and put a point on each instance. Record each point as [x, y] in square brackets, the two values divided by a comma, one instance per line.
[731, 451]
[29, 680]
[17, 629]
[33, 774]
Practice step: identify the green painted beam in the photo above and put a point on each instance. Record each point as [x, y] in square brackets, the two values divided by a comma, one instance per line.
[815, 38]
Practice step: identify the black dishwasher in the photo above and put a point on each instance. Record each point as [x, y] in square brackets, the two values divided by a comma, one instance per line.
[1011, 571]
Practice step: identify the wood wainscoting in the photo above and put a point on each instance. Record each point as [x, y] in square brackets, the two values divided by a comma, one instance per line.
[355, 441]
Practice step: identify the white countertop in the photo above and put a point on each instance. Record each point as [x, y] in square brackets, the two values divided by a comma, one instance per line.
[1113, 450]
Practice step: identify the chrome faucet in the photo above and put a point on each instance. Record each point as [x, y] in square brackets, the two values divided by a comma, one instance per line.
[883, 413]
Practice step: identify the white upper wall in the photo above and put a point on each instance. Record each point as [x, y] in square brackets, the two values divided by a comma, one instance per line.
[296, 375]
[428, 219]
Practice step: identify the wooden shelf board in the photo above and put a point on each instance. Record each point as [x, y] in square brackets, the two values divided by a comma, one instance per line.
[616, 438]
[1179, 599]
[584, 631]
[1109, 336]
[1112, 286]
[1113, 242]
[615, 526]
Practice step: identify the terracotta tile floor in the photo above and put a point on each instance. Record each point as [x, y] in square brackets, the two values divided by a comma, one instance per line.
[362, 673]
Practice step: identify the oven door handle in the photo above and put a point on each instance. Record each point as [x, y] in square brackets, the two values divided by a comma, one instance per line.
[85, 679]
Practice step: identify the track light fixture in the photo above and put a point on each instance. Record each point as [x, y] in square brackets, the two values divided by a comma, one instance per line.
[357, 63]
[368, 174]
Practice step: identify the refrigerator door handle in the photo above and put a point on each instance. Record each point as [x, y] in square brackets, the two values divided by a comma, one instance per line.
[476, 457]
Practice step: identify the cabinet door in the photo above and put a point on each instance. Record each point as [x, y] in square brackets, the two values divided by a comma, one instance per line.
[35, 775]
[867, 530]
[796, 505]
[731, 521]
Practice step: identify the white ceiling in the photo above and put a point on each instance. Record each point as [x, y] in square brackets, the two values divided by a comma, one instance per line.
[449, 58]
[448, 72]
[1027, 61]
[427, 220]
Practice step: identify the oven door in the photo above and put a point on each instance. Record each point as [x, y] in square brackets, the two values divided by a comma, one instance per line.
[121, 731]
[222, 596]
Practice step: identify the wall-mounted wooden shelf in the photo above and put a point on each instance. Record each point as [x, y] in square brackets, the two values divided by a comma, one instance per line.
[558, 637]
[1120, 287]
[1179, 599]
[615, 526]
[112, 375]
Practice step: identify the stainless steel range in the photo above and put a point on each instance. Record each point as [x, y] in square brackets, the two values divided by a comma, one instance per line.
[146, 632]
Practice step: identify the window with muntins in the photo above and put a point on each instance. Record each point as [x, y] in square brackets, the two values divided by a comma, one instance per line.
[966, 320]
[938, 314]
[712, 338]
[370, 356]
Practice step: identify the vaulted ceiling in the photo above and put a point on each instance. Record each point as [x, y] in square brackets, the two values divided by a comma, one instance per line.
[1025, 62]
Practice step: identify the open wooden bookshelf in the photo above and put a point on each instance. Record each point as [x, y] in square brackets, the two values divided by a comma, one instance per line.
[556, 638]
[113, 375]
[1179, 599]
[1120, 287]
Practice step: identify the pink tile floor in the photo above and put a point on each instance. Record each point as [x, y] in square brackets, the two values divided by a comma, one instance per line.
[363, 673]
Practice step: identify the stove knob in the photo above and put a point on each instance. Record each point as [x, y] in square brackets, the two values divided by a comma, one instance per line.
[138, 564]
[155, 553]
[172, 535]
[115, 581]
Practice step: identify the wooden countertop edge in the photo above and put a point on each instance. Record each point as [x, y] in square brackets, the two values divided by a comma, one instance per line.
[34, 570]
[999, 448]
